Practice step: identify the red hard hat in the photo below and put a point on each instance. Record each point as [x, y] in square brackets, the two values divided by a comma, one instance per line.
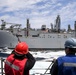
[21, 48]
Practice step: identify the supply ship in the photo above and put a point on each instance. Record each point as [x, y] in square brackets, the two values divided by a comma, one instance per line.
[52, 38]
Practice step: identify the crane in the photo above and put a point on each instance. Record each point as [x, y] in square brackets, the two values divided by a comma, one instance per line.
[12, 25]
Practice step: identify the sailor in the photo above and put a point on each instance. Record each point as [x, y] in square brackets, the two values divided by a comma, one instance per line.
[20, 61]
[66, 65]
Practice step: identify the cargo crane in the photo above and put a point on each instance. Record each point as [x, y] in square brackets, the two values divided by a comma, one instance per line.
[11, 27]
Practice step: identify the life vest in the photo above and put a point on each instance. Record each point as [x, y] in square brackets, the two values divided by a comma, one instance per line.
[67, 65]
[14, 66]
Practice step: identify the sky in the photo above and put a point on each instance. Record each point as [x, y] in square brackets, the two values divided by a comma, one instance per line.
[39, 12]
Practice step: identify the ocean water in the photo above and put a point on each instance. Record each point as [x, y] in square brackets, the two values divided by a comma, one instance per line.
[43, 61]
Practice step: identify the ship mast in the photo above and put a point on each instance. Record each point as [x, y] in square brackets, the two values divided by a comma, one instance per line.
[27, 28]
[57, 24]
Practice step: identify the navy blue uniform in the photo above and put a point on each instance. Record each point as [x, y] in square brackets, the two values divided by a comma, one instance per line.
[65, 65]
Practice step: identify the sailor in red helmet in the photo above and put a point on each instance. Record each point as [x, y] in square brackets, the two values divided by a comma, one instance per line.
[20, 61]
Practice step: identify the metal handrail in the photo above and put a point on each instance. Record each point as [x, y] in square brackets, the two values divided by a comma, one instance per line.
[2, 60]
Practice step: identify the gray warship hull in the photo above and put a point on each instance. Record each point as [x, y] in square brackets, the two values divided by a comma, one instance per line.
[7, 40]
[53, 41]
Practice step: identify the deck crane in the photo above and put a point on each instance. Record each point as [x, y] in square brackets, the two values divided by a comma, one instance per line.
[12, 25]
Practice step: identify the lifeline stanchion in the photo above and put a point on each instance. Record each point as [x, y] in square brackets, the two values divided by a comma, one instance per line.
[2, 65]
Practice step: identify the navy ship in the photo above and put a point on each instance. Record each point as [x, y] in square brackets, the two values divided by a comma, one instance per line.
[37, 39]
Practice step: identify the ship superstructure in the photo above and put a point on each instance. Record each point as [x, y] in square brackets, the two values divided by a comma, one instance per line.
[44, 38]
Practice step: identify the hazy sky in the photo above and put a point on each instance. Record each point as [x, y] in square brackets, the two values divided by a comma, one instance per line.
[39, 12]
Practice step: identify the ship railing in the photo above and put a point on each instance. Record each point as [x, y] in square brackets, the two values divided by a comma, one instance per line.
[46, 71]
